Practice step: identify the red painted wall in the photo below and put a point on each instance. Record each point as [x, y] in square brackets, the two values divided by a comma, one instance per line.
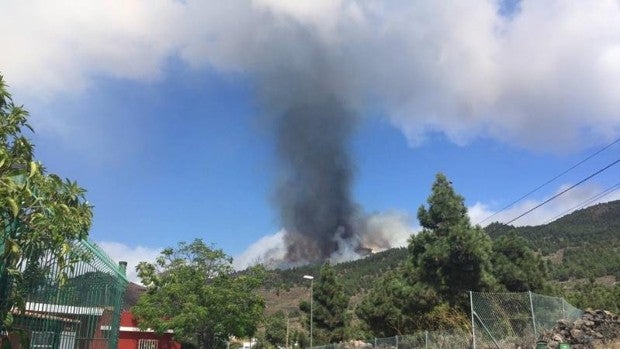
[129, 340]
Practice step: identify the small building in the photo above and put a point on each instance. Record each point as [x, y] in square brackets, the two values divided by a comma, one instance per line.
[130, 336]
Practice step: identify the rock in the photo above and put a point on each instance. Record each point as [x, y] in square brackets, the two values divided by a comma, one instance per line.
[595, 328]
[564, 323]
[576, 333]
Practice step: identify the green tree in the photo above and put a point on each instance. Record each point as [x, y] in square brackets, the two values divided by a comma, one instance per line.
[516, 266]
[330, 303]
[445, 260]
[275, 329]
[41, 213]
[450, 255]
[299, 338]
[383, 308]
[193, 291]
[594, 295]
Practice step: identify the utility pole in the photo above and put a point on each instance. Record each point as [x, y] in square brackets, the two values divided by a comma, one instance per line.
[311, 278]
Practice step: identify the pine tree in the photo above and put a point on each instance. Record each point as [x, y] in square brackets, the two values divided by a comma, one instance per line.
[516, 266]
[382, 308]
[450, 255]
[330, 305]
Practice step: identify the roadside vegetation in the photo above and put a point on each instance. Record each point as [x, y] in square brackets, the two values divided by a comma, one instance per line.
[41, 214]
[424, 286]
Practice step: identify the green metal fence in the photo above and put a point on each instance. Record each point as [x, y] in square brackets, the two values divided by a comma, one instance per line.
[81, 313]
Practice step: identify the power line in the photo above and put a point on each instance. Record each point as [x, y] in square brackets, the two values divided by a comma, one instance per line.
[587, 201]
[563, 191]
[549, 181]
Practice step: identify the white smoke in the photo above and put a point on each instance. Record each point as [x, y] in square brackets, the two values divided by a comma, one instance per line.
[381, 231]
[393, 229]
[268, 250]
[387, 230]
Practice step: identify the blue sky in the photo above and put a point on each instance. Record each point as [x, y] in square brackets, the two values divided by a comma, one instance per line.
[163, 111]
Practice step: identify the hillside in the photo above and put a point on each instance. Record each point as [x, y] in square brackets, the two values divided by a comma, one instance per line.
[356, 275]
[583, 244]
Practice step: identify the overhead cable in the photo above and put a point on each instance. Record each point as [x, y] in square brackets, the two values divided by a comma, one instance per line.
[588, 201]
[549, 181]
[563, 191]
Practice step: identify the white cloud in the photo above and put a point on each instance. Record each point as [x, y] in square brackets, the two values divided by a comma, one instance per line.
[130, 254]
[60, 46]
[546, 78]
[553, 210]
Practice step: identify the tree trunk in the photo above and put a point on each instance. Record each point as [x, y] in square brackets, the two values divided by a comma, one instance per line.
[207, 340]
[4, 342]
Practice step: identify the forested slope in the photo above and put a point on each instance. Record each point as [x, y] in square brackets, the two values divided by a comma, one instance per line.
[586, 243]
[583, 244]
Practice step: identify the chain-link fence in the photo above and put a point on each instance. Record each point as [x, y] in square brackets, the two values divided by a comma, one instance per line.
[502, 320]
[499, 320]
[83, 312]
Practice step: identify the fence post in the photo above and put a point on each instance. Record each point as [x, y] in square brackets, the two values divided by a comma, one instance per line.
[563, 309]
[375, 342]
[425, 339]
[533, 317]
[473, 323]
[396, 341]
[486, 329]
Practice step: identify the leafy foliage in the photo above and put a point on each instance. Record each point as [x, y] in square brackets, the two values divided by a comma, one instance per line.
[193, 291]
[330, 305]
[588, 294]
[550, 259]
[449, 255]
[41, 213]
[354, 275]
[383, 307]
[445, 260]
[275, 329]
[516, 266]
[587, 240]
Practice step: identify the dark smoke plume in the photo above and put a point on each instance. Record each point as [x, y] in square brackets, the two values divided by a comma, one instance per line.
[314, 197]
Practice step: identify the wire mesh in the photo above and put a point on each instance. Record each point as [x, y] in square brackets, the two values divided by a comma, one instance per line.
[81, 313]
[548, 310]
[500, 320]
[503, 320]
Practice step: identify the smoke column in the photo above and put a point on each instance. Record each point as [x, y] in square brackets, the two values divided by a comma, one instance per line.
[314, 195]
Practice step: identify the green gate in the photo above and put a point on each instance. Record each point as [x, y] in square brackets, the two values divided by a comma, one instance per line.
[81, 313]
